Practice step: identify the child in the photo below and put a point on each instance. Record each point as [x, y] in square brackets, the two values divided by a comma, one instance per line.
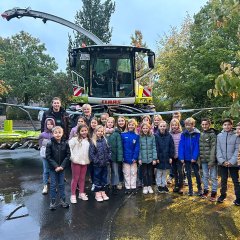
[93, 124]
[238, 134]
[100, 155]
[165, 153]
[114, 141]
[156, 120]
[188, 153]
[80, 121]
[207, 146]
[147, 156]
[103, 118]
[227, 151]
[122, 124]
[58, 155]
[44, 138]
[79, 147]
[177, 166]
[121, 127]
[145, 119]
[131, 149]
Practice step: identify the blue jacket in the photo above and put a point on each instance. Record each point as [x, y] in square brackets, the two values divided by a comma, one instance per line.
[100, 154]
[131, 146]
[165, 149]
[188, 148]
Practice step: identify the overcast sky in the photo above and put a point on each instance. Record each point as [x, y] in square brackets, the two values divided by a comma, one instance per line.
[152, 17]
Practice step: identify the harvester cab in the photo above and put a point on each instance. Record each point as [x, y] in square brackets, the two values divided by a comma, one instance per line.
[107, 75]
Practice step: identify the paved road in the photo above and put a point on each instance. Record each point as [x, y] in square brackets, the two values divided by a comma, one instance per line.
[157, 216]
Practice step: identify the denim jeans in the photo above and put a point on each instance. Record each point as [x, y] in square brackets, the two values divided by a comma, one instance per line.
[209, 173]
[100, 178]
[189, 166]
[45, 171]
[234, 172]
[161, 177]
[57, 181]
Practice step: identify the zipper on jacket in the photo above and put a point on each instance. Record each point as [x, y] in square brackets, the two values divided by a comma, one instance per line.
[226, 146]
[147, 149]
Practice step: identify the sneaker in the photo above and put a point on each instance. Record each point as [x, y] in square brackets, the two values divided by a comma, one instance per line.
[190, 193]
[83, 196]
[200, 193]
[73, 199]
[150, 190]
[128, 191]
[165, 189]
[213, 197]
[221, 198]
[205, 194]
[176, 189]
[237, 202]
[180, 191]
[93, 187]
[160, 189]
[145, 190]
[104, 196]
[63, 203]
[169, 180]
[98, 197]
[134, 191]
[45, 189]
[119, 186]
[53, 205]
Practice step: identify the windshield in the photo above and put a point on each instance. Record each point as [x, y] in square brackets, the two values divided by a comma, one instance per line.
[112, 76]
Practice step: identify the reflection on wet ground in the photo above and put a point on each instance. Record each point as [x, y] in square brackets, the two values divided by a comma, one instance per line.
[156, 216]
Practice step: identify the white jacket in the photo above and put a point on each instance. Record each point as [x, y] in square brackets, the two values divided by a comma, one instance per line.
[79, 151]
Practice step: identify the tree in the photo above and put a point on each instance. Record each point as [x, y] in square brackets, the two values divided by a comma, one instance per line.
[94, 17]
[27, 68]
[137, 41]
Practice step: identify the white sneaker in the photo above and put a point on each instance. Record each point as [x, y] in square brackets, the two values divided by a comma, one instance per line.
[45, 189]
[83, 196]
[145, 190]
[73, 199]
[93, 186]
[150, 190]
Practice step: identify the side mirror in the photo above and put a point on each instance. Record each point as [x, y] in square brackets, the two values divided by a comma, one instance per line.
[151, 60]
[72, 59]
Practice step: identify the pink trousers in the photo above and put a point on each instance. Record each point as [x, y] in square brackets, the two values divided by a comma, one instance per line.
[78, 177]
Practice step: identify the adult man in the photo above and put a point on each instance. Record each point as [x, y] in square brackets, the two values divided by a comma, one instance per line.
[59, 115]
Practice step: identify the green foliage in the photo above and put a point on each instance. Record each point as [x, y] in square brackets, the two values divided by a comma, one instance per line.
[26, 68]
[189, 58]
[95, 17]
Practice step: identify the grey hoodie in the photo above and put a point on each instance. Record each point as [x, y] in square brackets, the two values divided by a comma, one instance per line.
[227, 148]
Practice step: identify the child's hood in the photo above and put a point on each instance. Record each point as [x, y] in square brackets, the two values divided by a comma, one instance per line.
[195, 130]
[45, 124]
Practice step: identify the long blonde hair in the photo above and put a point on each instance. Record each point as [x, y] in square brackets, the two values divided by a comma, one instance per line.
[94, 137]
[149, 129]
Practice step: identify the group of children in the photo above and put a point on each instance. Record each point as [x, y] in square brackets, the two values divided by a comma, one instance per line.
[122, 152]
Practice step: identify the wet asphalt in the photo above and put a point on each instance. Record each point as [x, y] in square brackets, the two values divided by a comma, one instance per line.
[21, 186]
[25, 214]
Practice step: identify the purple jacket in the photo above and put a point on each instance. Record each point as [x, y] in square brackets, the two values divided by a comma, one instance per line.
[46, 135]
[73, 132]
